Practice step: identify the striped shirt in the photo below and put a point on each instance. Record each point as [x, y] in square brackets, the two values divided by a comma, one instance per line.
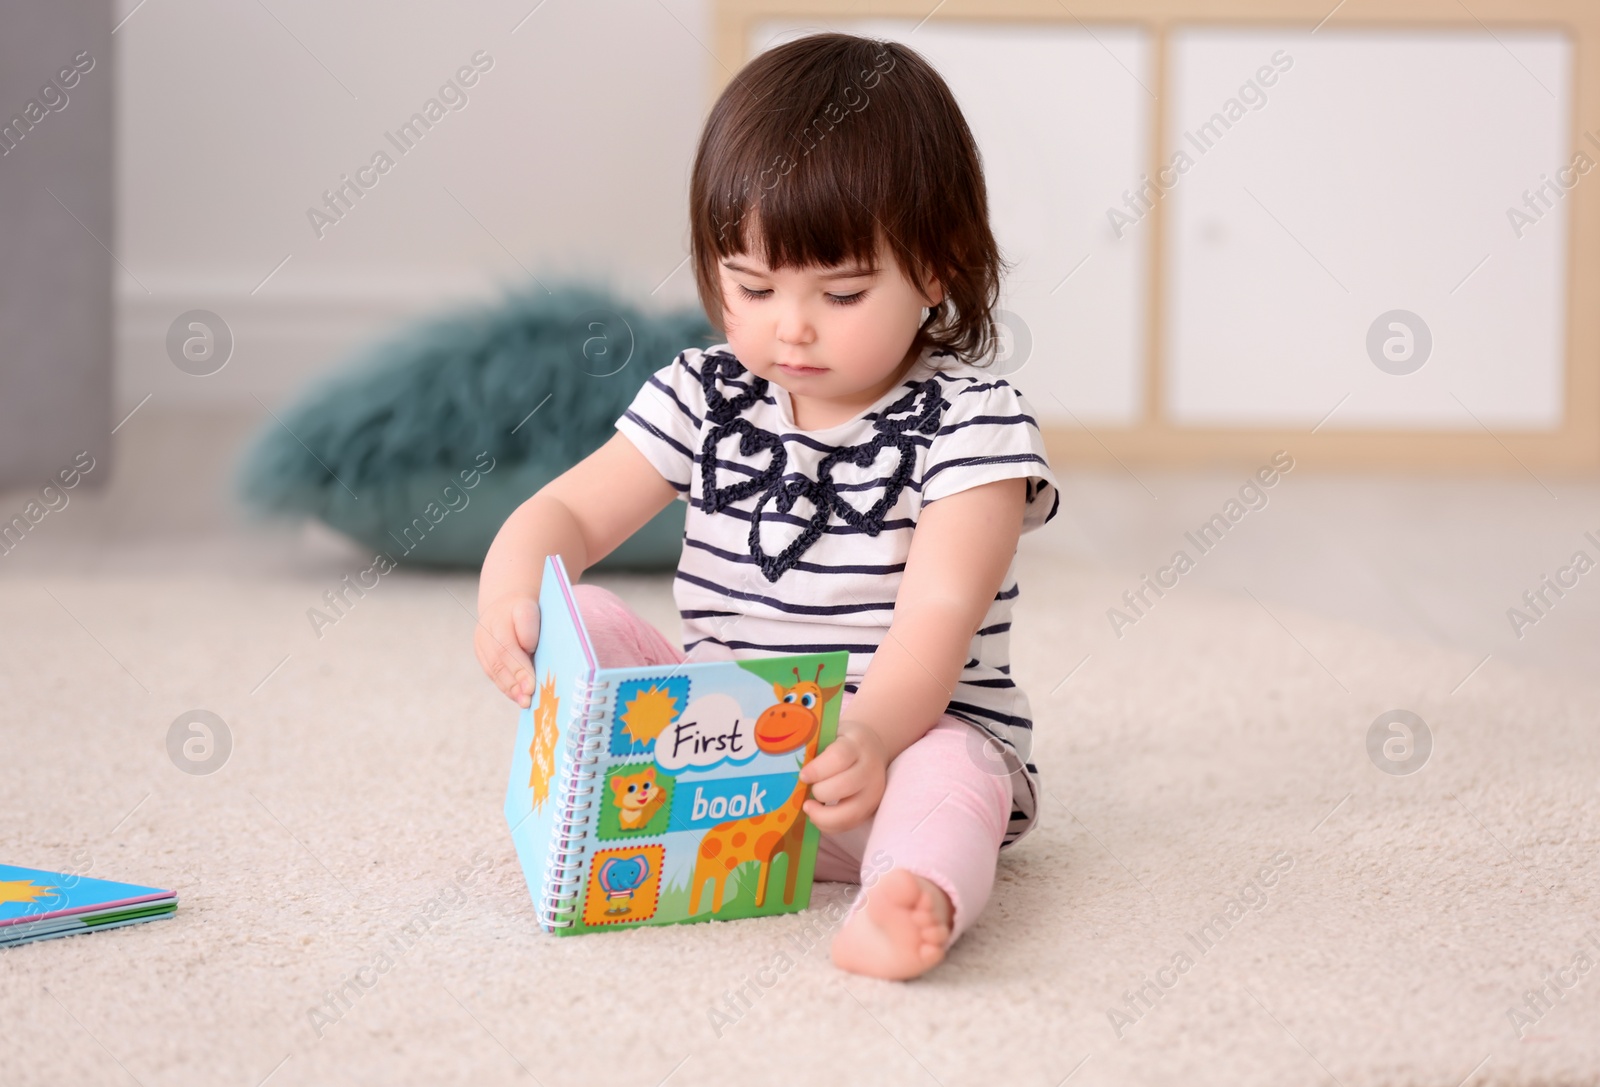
[795, 540]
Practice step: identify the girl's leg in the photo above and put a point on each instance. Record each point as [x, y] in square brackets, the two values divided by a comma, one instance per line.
[621, 637]
[942, 817]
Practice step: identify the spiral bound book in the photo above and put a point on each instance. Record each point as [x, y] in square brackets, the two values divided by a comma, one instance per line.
[661, 794]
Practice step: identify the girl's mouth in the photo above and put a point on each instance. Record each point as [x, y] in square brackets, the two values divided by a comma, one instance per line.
[801, 371]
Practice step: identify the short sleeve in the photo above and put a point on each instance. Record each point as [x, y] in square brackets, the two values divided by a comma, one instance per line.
[989, 432]
[664, 419]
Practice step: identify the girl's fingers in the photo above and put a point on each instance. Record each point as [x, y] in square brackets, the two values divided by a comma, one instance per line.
[827, 791]
[521, 674]
[833, 761]
[834, 818]
[838, 788]
[525, 624]
[508, 682]
[508, 647]
[819, 815]
[503, 679]
[504, 663]
[521, 688]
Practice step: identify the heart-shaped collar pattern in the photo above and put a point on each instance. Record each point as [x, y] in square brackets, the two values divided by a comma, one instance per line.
[715, 369]
[919, 411]
[752, 440]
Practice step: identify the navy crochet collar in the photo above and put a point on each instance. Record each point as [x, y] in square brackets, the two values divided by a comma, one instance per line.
[917, 410]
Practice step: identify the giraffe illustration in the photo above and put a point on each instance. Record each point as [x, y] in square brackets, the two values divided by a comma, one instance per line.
[795, 722]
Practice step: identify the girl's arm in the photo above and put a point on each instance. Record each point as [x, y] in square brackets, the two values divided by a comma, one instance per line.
[960, 551]
[582, 515]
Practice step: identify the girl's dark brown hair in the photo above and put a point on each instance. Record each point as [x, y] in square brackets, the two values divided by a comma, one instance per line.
[820, 147]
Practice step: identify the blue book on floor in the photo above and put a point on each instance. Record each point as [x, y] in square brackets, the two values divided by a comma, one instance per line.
[39, 905]
[660, 794]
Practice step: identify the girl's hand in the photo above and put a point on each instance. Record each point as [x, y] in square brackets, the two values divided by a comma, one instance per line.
[847, 779]
[504, 639]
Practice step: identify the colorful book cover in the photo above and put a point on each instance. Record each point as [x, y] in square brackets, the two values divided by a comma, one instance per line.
[37, 904]
[663, 794]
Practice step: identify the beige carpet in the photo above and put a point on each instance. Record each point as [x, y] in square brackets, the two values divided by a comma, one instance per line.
[1407, 920]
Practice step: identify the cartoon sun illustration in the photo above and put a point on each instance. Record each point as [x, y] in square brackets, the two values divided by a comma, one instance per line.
[23, 890]
[648, 713]
[543, 747]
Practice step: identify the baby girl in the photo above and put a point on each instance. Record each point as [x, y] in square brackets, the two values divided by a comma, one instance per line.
[854, 479]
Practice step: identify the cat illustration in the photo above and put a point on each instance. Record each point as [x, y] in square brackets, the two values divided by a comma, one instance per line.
[637, 797]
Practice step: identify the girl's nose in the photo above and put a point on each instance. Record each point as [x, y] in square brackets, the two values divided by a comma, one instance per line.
[794, 325]
[794, 328]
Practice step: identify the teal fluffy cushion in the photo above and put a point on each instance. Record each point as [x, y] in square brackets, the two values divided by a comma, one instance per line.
[425, 445]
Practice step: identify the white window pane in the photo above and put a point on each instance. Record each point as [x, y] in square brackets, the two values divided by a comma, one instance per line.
[1376, 177]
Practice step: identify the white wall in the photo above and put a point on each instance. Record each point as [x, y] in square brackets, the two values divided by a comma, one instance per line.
[571, 156]
[1389, 158]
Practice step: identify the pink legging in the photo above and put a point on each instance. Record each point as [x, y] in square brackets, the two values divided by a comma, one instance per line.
[942, 816]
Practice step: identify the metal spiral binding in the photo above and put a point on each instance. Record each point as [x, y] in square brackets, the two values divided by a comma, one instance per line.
[564, 876]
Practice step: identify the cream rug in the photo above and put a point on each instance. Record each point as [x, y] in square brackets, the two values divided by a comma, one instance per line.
[1225, 888]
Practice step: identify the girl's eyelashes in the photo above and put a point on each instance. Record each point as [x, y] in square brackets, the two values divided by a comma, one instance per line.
[836, 299]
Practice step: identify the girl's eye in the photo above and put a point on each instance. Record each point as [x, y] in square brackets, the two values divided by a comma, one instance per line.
[836, 299]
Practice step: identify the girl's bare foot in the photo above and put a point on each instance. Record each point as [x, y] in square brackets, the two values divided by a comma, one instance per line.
[901, 931]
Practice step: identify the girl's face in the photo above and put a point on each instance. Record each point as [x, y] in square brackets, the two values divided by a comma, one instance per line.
[836, 336]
